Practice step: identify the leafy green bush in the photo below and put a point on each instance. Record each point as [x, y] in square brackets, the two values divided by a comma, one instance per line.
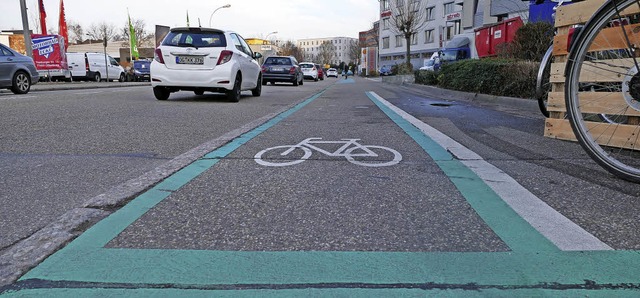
[426, 77]
[502, 77]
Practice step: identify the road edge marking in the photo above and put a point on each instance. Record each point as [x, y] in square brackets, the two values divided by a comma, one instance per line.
[554, 226]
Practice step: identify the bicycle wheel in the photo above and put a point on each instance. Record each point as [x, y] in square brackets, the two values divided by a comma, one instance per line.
[280, 156]
[383, 156]
[543, 85]
[602, 79]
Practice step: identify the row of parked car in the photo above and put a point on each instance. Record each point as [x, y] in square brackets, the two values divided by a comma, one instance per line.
[211, 60]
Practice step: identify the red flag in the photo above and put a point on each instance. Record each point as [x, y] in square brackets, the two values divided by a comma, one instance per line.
[43, 17]
[62, 26]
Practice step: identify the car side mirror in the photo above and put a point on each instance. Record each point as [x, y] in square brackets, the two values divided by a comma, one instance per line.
[257, 55]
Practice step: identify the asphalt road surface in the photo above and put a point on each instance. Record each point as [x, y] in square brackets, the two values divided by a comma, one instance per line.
[335, 188]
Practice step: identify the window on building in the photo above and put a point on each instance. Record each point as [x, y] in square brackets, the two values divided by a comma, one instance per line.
[428, 36]
[385, 5]
[450, 32]
[385, 24]
[448, 8]
[414, 39]
[430, 13]
[399, 39]
[385, 42]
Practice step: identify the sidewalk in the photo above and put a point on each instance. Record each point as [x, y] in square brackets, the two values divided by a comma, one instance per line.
[54, 86]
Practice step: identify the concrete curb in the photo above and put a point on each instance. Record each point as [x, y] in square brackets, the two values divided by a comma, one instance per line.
[55, 86]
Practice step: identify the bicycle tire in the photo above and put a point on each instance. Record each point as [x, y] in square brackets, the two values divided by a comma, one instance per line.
[282, 162]
[596, 75]
[376, 162]
[543, 85]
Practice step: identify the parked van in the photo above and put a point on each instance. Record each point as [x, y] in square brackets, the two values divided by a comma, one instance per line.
[91, 66]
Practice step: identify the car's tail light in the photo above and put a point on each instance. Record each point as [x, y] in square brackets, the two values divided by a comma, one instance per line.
[225, 56]
[157, 55]
[292, 70]
[264, 69]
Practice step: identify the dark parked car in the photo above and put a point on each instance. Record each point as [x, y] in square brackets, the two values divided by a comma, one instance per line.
[282, 69]
[17, 71]
[141, 70]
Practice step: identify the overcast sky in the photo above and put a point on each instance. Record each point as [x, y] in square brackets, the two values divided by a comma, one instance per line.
[292, 19]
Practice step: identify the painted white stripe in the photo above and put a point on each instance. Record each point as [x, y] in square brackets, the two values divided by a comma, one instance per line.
[561, 231]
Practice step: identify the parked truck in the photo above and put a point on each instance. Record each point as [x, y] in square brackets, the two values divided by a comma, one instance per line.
[50, 57]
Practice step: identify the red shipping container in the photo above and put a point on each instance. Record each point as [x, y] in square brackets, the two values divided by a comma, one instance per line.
[489, 38]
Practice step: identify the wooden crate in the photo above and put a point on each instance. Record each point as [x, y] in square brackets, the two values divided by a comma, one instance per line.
[556, 126]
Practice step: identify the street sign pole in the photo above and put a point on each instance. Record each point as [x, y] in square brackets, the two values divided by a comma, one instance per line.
[25, 28]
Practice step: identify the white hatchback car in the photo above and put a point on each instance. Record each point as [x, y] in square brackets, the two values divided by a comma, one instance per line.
[203, 59]
[309, 70]
[332, 72]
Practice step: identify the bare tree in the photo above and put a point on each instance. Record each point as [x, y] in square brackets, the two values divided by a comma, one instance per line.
[143, 37]
[289, 48]
[102, 31]
[408, 17]
[354, 51]
[327, 52]
[76, 33]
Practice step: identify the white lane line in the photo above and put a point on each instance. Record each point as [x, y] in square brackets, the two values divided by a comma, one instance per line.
[561, 231]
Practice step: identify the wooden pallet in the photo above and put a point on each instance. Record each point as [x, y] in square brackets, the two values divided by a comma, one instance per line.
[556, 126]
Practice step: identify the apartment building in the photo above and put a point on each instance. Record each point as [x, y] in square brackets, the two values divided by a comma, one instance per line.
[311, 48]
[449, 24]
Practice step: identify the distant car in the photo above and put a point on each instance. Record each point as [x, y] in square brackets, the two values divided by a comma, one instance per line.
[320, 72]
[385, 70]
[431, 65]
[141, 70]
[17, 72]
[309, 70]
[332, 72]
[282, 69]
[205, 59]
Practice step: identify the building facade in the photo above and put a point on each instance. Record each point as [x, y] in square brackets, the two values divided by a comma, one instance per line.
[311, 48]
[449, 23]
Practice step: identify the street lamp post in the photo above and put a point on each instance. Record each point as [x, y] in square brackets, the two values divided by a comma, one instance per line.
[267, 37]
[224, 6]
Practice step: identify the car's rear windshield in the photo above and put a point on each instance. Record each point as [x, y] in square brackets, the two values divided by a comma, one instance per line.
[141, 64]
[278, 61]
[306, 65]
[198, 39]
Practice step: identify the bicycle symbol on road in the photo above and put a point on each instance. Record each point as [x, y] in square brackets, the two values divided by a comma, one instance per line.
[354, 152]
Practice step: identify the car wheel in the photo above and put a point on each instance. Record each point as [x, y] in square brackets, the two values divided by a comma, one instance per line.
[21, 83]
[315, 79]
[198, 92]
[258, 90]
[161, 93]
[96, 77]
[296, 83]
[121, 79]
[233, 95]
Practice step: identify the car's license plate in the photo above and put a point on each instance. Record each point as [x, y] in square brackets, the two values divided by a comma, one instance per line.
[276, 69]
[189, 60]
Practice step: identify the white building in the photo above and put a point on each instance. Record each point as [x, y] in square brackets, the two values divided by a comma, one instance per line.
[311, 47]
[450, 23]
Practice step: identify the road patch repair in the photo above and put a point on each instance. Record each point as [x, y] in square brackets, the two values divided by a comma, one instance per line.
[542, 253]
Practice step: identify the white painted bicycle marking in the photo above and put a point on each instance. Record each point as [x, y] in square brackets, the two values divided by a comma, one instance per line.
[354, 152]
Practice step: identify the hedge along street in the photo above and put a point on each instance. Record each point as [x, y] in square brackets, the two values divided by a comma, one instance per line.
[534, 264]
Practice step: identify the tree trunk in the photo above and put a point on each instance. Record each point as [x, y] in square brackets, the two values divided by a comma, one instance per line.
[408, 56]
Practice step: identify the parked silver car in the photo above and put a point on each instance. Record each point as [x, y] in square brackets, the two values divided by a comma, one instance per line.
[17, 71]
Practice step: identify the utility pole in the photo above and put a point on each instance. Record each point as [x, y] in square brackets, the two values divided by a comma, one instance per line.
[25, 28]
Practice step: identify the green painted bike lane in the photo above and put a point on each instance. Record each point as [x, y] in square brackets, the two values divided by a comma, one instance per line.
[532, 267]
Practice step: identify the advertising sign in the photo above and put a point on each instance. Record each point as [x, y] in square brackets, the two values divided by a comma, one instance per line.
[48, 52]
